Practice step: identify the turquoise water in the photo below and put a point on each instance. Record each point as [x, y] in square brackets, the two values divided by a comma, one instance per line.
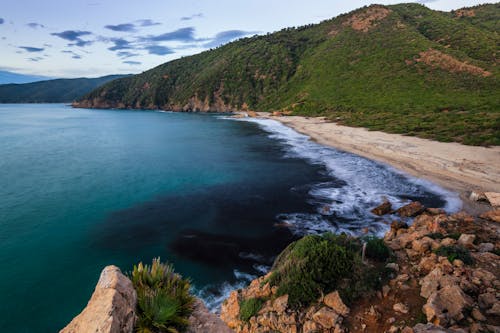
[82, 189]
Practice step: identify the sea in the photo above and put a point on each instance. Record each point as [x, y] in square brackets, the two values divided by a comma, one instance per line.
[215, 196]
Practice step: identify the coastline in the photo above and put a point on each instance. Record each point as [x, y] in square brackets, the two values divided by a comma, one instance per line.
[454, 166]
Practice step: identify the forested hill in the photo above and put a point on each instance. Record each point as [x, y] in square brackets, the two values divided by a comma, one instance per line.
[51, 91]
[402, 68]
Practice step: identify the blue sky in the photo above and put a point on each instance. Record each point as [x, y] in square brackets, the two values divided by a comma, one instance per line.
[74, 38]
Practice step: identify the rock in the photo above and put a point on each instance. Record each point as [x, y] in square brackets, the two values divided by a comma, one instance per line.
[422, 245]
[458, 263]
[383, 209]
[495, 309]
[466, 240]
[435, 280]
[230, 310]
[326, 317]
[492, 215]
[400, 307]
[396, 225]
[393, 329]
[385, 290]
[430, 328]
[493, 329]
[280, 304]
[477, 196]
[435, 211]
[477, 315]
[410, 210]
[334, 301]
[111, 308]
[427, 263]
[493, 198]
[448, 242]
[486, 247]
[204, 321]
[407, 329]
[311, 327]
[393, 266]
[447, 305]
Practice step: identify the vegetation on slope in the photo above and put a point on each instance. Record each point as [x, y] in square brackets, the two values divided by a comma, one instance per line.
[401, 69]
[316, 265]
[51, 91]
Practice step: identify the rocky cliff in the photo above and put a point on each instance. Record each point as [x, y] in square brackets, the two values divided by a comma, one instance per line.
[445, 272]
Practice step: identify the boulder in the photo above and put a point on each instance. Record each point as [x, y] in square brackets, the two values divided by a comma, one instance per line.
[311, 327]
[486, 247]
[384, 208]
[111, 308]
[334, 301]
[400, 307]
[493, 198]
[410, 210]
[466, 240]
[477, 196]
[447, 305]
[492, 215]
[326, 317]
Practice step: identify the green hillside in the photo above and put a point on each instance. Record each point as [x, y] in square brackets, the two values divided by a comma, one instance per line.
[51, 91]
[401, 69]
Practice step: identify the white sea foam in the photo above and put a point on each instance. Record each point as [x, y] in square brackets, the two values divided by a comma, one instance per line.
[358, 184]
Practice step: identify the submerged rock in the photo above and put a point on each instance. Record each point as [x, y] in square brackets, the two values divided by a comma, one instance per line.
[111, 308]
[383, 209]
[410, 210]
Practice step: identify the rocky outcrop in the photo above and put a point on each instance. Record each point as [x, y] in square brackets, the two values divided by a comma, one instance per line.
[446, 292]
[276, 315]
[111, 308]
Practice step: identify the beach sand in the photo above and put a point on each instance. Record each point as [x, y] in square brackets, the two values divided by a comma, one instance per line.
[454, 166]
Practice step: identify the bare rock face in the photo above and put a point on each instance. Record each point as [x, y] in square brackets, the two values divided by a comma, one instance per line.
[203, 321]
[111, 308]
[493, 198]
[492, 215]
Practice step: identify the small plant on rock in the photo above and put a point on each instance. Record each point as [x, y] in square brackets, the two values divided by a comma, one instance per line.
[250, 307]
[164, 302]
[455, 252]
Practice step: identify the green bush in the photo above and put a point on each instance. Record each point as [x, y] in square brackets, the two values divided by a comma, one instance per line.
[250, 307]
[164, 302]
[310, 266]
[455, 252]
[376, 249]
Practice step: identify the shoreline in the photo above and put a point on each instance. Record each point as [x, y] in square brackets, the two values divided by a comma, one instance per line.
[454, 166]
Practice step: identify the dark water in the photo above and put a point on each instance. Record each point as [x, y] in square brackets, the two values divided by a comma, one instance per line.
[82, 189]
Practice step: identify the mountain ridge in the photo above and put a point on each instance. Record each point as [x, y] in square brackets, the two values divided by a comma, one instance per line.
[401, 69]
[52, 91]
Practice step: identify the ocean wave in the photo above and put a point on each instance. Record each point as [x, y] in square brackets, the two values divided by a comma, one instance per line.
[358, 184]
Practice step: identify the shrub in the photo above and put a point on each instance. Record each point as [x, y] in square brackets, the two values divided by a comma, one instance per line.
[250, 307]
[310, 266]
[164, 302]
[376, 248]
[455, 252]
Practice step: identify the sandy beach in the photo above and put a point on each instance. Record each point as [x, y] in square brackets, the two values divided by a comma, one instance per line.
[454, 166]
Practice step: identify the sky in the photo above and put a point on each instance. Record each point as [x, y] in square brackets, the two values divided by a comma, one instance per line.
[91, 38]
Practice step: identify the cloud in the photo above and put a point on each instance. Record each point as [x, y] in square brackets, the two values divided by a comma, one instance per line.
[425, 1]
[120, 44]
[31, 49]
[71, 35]
[158, 50]
[132, 62]
[124, 27]
[126, 54]
[147, 23]
[227, 36]
[35, 25]
[188, 18]
[2, 20]
[181, 35]
[35, 59]
[81, 43]
[74, 55]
